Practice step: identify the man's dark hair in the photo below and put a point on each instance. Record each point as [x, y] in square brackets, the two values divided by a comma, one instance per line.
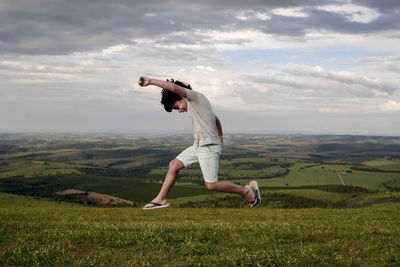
[169, 98]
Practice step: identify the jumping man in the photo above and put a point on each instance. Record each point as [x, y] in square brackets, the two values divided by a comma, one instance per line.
[207, 145]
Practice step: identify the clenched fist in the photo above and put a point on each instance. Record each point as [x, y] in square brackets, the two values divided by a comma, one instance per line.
[144, 81]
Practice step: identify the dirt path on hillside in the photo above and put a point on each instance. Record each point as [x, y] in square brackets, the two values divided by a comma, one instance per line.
[340, 178]
[97, 197]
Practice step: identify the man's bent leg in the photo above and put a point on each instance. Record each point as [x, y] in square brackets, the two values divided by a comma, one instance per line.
[225, 186]
[174, 166]
[209, 164]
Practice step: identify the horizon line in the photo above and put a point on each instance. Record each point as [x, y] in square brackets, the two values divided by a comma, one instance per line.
[149, 132]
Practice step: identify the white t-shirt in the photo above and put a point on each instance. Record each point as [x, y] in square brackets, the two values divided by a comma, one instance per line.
[203, 119]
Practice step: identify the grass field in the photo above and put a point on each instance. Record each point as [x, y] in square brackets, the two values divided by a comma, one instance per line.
[299, 177]
[27, 168]
[394, 182]
[384, 164]
[139, 191]
[40, 233]
[313, 194]
[306, 219]
[370, 180]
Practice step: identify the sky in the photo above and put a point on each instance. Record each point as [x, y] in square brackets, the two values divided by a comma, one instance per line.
[274, 67]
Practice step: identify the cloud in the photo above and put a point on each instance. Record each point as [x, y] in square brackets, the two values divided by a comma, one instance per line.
[104, 76]
[368, 60]
[251, 14]
[66, 64]
[296, 12]
[353, 13]
[63, 27]
[356, 85]
[391, 106]
[386, 66]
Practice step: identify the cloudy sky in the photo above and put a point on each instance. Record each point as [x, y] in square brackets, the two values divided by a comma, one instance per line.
[313, 66]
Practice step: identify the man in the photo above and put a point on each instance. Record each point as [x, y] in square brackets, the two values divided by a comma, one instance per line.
[207, 146]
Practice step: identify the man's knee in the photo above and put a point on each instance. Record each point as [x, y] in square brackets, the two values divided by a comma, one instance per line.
[211, 186]
[176, 165]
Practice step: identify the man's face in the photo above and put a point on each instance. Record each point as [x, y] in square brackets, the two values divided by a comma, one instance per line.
[180, 105]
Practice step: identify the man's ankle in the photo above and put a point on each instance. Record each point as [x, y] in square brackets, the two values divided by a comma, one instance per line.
[249, 194]
[160, 200]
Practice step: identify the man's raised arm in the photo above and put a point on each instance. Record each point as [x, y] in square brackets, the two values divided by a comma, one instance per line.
[179, 90]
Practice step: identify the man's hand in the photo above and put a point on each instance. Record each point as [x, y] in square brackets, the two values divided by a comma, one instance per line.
[144, 81]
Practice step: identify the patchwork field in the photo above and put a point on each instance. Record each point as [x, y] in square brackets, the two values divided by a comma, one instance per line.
[133, 167]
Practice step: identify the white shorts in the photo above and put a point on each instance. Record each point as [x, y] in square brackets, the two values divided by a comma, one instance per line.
[208, 158]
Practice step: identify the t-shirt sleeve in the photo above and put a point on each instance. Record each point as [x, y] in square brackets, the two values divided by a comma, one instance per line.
[191, 95]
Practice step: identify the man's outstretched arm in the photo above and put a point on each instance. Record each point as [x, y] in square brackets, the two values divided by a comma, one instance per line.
[179, 90]
[219, 129]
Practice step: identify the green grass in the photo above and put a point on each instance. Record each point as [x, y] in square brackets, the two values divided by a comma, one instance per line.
[394, 182]
[300, 177]
[333, 167]
[293, 198]
[136, 190]
[210, 195]
[229, 162]
[370, 180]
[313, 194]
[27, 168]
[140, 191]
[38, 233]
[384, 164]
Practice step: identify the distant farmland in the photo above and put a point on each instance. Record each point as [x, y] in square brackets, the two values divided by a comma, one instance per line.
[132, 167]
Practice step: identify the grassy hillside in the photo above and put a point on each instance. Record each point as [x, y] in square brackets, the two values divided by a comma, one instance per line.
[40, 233]
[137, 190]
[306, 219]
